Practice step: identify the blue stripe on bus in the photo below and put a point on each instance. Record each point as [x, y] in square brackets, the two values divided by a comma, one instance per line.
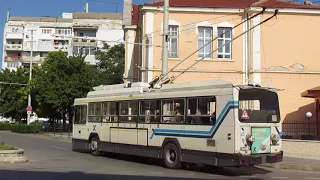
[198, 134]
[280, 133]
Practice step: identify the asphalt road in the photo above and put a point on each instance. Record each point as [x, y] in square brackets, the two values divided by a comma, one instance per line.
[51, 159]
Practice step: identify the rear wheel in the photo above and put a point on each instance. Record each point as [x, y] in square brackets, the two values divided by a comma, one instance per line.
[171, 156]
[94, 146]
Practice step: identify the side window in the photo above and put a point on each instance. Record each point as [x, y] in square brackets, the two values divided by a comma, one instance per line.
[94, 112]
[201, 111]
[173, 111]
[110, 112]
[80, 115]
[149, 111]
[128, 111]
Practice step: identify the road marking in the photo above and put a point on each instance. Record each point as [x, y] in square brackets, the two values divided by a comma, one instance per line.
[189, 174]
[212, 175]
[312, 178]
[279, 177]
[249, 176]
[59, 148]
[24, 141]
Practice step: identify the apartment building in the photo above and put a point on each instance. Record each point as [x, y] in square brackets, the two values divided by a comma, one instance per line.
[281, 53]
[73, 33]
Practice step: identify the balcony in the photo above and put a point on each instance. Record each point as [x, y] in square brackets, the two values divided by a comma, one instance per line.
[24, 59]
[14, 47]
[13, 58]
[12, 35]
[84, 42]
[61, 48]
[27, 59]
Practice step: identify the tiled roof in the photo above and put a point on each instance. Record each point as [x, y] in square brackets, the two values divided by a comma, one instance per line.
[224, 4]
[205, 3]
[285, 4]
[233, 4]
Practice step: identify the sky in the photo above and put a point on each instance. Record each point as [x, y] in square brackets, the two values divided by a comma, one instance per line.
[38, 8]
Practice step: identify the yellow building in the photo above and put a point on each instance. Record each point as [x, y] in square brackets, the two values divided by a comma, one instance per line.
[281, 53]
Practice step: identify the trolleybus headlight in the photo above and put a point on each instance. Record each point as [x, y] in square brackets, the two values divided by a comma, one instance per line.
[275, 138]
[250, 138]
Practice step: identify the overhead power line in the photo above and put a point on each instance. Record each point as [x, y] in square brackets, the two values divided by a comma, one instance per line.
[162, 75]
[274, 15]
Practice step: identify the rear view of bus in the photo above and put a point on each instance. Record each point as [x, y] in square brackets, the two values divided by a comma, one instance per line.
[258, 126]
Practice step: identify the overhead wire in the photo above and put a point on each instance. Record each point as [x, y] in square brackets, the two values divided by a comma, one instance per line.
[276, 11]
[229, 31]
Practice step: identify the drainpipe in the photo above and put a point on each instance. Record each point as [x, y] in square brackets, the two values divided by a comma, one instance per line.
[247, 76]
[245, 60]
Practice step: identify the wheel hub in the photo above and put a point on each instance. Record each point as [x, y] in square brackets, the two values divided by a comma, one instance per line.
[171, 155]
[93, 145]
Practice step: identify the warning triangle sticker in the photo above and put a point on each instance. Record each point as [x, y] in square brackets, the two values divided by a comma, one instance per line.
[244, 114]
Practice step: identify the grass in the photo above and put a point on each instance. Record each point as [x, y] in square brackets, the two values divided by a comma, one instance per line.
[6, 147]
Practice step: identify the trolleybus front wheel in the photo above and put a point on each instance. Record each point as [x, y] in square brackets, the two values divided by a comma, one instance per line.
[94, 146]
[171, 156]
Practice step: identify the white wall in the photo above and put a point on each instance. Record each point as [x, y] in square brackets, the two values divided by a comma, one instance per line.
[108, 30]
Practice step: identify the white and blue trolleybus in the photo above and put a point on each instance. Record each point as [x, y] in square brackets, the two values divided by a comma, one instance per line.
[206, 122]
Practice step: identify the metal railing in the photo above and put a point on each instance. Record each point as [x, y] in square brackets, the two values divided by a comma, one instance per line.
[303, 130]
[57, 129]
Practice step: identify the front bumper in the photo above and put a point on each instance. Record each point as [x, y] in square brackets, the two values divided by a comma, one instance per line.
[245, 160]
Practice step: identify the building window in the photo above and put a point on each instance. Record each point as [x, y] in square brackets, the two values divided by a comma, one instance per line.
[205, 37]
[63, 31]
[173, 41]
[46, 31]
[14, 30]
[225, 51]
[84, 50]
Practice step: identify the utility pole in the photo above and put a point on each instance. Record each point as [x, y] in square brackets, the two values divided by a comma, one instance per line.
[165, 39]
[29, 108]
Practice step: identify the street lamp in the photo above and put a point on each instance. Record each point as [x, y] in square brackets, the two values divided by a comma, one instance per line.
[309, 115]
[29, 108]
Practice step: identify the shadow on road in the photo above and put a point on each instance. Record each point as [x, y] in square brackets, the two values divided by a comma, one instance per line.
[225, 171]
[39, 175]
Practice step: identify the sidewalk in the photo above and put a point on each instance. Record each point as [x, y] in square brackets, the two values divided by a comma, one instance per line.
[63, 136]
[297, 163]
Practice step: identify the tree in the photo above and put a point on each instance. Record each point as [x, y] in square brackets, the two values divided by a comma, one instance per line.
[13, 99]
[59, 81]
[111, 63]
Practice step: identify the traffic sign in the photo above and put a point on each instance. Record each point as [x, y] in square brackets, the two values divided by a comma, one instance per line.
[29, 108]
[245, 114]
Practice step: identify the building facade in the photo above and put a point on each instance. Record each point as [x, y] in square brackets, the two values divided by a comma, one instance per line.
[281, 53]
[73, 33]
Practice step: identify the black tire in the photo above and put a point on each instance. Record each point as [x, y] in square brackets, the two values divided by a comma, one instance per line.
[171, 156]
[94, 146]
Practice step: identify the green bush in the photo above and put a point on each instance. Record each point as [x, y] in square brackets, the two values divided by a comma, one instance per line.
[21, 128]
[5, 126]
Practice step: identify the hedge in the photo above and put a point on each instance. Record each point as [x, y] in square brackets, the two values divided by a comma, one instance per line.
[21, 128]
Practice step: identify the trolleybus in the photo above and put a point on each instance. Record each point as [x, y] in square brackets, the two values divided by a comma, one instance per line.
[207, 122]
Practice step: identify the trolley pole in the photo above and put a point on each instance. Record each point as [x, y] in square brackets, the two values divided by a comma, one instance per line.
[165, 39]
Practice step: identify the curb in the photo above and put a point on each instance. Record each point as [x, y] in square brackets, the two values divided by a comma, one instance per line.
[292, 167]
[45, 136]
[69, 139]
[13, 156]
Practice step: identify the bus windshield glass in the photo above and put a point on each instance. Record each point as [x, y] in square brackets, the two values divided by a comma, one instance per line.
[258, 106]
